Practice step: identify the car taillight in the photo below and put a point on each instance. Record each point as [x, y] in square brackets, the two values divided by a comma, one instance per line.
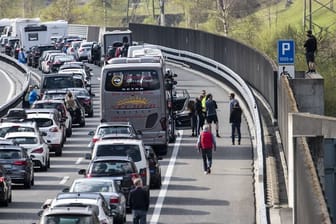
[114, 200]
[53, 129]
[20, 163]
[94, 140]
[88, 175]
[134, 176]
[39, 150]
[103, 221]
[143, 172]
[2, 179]
[72, 50]
[81, 50]
[57, 62]
[86, 101]
[163, 123]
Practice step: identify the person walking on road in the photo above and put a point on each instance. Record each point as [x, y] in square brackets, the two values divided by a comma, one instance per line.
[211, 113]
[235, 120]
[311, 47]
[193, 118]
[139, 202]
[206, 142]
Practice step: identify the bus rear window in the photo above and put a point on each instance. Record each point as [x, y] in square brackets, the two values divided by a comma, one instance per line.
[132, 80]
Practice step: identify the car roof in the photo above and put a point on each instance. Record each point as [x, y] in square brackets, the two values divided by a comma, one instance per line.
[119, 123]
[118, 136]
[112, 158]
[68, 210]
[79, 195]
[119, 141]
[49, 101]
[100, 179]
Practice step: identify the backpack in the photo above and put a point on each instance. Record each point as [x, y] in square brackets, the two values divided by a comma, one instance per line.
[206, 140]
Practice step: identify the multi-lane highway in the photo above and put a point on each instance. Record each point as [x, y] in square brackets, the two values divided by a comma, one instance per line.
[187, 194]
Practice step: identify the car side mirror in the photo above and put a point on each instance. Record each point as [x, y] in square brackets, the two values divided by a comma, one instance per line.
[88, 156]
[91, 133]
[82, 171]
[67, 189]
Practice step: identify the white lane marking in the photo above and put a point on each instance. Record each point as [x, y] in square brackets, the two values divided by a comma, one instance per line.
[11, 85]
[79, 160]
[169, 173]
[64, 180]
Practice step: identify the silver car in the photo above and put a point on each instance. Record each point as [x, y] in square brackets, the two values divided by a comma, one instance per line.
[109, 189]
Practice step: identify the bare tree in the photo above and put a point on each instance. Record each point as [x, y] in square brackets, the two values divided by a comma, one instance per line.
[224, 8]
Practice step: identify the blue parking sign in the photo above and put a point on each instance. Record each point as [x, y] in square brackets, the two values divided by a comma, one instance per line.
[286, 52]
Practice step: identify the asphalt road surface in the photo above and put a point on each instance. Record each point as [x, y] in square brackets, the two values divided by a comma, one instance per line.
[187, 194]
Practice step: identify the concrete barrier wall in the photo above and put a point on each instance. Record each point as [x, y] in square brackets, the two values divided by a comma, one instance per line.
[253, 66]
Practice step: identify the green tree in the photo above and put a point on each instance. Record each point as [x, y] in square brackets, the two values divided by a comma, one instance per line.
[63, 10]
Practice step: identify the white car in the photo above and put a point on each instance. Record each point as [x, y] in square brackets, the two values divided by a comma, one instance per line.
[133, 148]
[46, 64]
[84, 51]
[73, 48]
[16, 126]
[50, 124]
[95, 201]
[60, 106]
[36, 147]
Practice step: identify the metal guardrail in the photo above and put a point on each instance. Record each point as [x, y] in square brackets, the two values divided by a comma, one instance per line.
[17, 99]
[253, 120]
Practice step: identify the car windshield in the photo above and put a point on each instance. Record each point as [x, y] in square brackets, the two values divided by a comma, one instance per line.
[24, 140]
[5, 130]
[128, 150]
[62, 82]
[92, 186]
[111, 168]
[67, 219]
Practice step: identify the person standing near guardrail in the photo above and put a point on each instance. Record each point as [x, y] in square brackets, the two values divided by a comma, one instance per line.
[235, 120]
[33, 96]
[22, 57]
[232, 101]
[25, 98]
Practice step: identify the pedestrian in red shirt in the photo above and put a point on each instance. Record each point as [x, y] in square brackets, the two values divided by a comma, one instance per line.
[206, 142]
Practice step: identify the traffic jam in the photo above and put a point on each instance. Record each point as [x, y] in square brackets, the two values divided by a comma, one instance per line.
[120, 151]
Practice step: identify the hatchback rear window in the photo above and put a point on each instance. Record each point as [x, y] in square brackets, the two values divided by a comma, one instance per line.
[10, 154]
[43, 122]
[132, 151]
[5, 130]
[114, 167]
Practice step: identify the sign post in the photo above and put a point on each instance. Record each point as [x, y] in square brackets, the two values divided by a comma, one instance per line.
[286, 58]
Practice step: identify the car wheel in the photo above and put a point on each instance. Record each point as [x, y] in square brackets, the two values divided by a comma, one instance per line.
[119, 220]
[10, 196]
[82, 123]
[32, 182]
[48, 162]
[5, 203]
[58, 151]
[44, 167]
[27, 183]
[68, 132]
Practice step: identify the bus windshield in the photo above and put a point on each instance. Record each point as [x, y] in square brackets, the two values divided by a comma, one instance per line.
[132, 80]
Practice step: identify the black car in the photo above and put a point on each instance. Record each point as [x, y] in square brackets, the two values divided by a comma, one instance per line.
[121, 169]
[5, 187]
[18, 164]
[154, 168]
[85, 99]
[11, 47]
[35, 53]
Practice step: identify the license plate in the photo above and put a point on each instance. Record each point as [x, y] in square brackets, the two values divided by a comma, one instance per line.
[7, 167]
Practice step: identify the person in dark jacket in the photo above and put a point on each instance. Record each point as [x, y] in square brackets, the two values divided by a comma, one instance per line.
[199, 114]
[193, 118]
[235, 120]
[139, 202]
[311, 47]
